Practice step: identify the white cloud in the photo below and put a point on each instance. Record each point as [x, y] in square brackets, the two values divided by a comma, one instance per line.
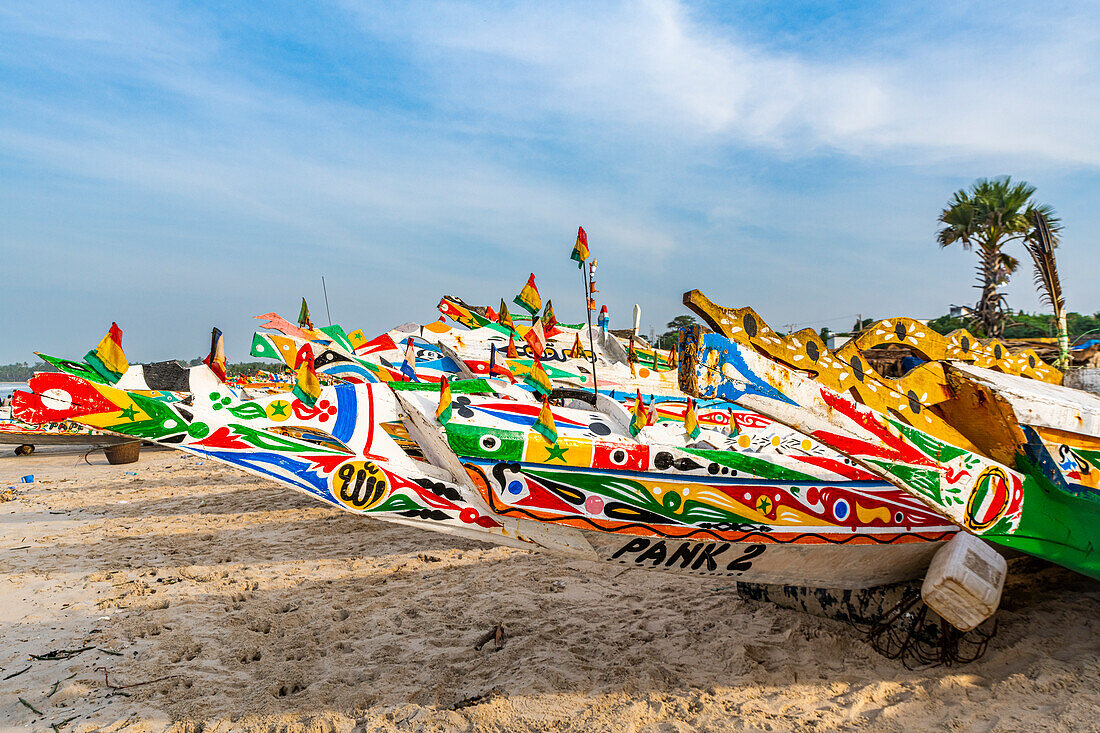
[1031, 88]
[157, 136]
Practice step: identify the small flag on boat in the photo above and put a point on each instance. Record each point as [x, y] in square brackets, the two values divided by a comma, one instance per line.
[216, 358]
[529, 296]
[443, 412]
[639, 419]
[490, 313]
[580, 249]
[307, 387]
[408, 366]
[536, 378]
[303, 316]
[691, 420]
[604, 321]
[549, 321]
[504, 318]
[512, 353]
[734, 430]
[108, 359]
[536, 338]
[544, 424]
[577, 352]
[498, 369]
[652, 418]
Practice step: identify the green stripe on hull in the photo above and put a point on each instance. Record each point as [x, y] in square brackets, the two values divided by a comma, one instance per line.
[750, 465]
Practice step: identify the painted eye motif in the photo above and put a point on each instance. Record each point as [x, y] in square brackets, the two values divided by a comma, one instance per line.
[618, 457]
[512, 487]
[841, 510]
[489, 443]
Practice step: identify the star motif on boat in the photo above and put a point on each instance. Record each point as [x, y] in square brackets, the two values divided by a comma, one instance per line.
[129, 413]
[555, 451]
[278, 408]
[763, 505]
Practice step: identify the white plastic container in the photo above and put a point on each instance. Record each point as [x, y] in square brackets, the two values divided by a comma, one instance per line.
[964, 581]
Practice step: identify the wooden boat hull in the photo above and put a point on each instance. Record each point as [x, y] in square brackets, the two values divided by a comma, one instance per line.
[361, 469]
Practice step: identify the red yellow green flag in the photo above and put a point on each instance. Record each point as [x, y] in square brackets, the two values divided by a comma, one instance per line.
[580, 249]
[504, 318]
[529, 296]
[108, 359]
[549, 321]
[544, 424]
[537, 379]
[307, 387]
[511, 353]
[577, 352]
[303, 316]
[691, 420]
[536, 338]
[216, 358]
[640, 419]
[443, 412]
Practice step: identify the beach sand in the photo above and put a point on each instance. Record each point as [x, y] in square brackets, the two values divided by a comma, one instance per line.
[259, 609]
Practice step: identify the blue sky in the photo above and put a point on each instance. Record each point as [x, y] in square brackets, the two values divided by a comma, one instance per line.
[177, 166]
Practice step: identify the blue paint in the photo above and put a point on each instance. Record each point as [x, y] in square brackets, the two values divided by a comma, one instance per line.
[730, 353]
[347, 408]
[295, 471]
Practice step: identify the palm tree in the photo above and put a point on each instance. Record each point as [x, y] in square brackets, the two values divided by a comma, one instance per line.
[987, 217]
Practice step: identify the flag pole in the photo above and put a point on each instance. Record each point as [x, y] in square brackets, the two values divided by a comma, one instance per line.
[323, 287]
[591, 342]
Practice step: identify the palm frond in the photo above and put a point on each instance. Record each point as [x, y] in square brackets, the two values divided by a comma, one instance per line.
[1041, 248]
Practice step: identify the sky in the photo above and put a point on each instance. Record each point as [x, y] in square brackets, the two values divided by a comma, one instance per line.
[174, 167]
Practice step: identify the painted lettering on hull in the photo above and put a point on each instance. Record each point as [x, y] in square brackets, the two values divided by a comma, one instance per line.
[693, 557]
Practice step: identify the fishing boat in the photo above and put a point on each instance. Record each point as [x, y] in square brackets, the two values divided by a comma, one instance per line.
[986, 437]
[749, 506]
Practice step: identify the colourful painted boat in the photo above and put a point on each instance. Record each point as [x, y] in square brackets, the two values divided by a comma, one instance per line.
[977, 441]
[658, 502]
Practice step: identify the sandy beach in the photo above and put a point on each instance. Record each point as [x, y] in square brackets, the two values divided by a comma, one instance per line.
[207, 600]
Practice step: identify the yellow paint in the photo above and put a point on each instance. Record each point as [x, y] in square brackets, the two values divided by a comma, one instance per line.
[286, 348]
[867, 515]
[577, 451]
[1073, 440]
[845, 371]
[359, 485]
[278, 410]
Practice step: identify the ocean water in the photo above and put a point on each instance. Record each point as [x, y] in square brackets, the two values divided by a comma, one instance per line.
[6, 389]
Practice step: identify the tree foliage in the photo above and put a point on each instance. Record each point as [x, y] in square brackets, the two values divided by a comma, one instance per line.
[984, 218]
[667, 340]
[1019, 325]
